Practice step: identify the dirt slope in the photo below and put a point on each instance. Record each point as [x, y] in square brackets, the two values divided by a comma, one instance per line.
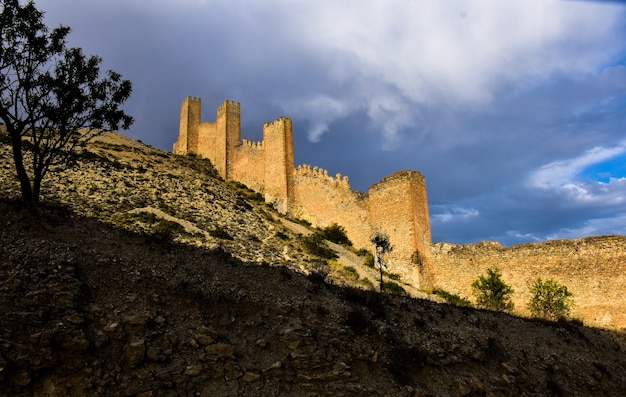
[90, 310]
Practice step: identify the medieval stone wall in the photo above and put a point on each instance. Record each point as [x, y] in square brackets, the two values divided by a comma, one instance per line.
[279, 163]
[323, 200]
[248, 164]
[592, 268]
[399, 208]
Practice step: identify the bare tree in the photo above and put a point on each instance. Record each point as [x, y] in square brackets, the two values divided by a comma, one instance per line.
[52, 98]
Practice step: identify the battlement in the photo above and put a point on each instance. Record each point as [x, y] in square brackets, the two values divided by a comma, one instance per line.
[306, 191]
[400, 176]
[227, 106]
[278, 122]
[306, 170]
[398, 205]
[256, 145]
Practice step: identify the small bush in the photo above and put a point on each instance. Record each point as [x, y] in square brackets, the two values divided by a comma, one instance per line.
[367, 256]
[365, 282]
[336, 234]
[319, 272]
[348, 272]
[492, 292]
[166, 231]
[219, 232]
[282, 235]
[453, 299]
[550, 300]
[299, 221]
[393, 288]
[393, 276]
[314, 245]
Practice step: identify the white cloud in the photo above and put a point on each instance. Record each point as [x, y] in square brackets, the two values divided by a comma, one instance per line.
[561, 174]
[454, 52]
[321, 110]
[594, 227]
[454, 213]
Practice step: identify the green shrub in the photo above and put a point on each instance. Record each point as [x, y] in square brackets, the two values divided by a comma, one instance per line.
[366, 283]
[492, 292]
[336, 234]
[451, 298]
[550, 300]
[314, 245]
[393, 288]
[368, 258]
[348, 272]
[393, 276]
[299, 221]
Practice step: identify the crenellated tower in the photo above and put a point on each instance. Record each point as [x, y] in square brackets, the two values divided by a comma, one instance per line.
[228, 136]
[189, 128]
[398, 206]
[279, 163]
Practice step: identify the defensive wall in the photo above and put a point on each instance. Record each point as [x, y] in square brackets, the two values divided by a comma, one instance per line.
[397, 205]
[594, 269]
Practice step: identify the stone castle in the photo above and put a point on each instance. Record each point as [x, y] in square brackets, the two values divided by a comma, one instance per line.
[397, 205]
[594, 268]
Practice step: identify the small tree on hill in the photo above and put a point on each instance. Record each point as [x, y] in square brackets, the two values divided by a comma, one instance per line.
[550, 300]
[492, 292]
[52, 98]
[381, 247]
[335, 233]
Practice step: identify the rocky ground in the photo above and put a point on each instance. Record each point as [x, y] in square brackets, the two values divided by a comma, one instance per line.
[93, 310]
[145, 275]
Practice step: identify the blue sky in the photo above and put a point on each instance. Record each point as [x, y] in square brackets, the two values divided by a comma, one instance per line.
[514, 111]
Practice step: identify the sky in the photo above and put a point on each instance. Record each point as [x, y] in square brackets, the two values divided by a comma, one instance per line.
[514, 111]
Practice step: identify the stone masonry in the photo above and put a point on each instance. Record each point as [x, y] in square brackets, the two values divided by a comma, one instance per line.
[594, 268]
[397, 205]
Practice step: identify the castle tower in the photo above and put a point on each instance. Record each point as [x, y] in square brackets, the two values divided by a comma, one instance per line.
[227, 136]
[399, 207]
[188, 136]
[279, 163]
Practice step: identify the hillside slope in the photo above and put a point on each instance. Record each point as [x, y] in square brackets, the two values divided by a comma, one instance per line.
[146, 275]
[88, 309]
[134, 186]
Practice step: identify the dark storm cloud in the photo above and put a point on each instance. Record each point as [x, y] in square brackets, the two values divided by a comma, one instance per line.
[501, 105]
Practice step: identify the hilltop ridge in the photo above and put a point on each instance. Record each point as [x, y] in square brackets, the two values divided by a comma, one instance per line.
[143, 274]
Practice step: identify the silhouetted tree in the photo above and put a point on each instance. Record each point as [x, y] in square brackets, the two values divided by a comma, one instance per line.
[381, 247]
[52, 98]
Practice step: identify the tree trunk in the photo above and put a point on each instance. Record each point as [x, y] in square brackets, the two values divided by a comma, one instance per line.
[379, 261]
[18, 159]
[36, 188]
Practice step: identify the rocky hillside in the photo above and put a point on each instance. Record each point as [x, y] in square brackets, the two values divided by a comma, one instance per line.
[145, 276]
[131, 185]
